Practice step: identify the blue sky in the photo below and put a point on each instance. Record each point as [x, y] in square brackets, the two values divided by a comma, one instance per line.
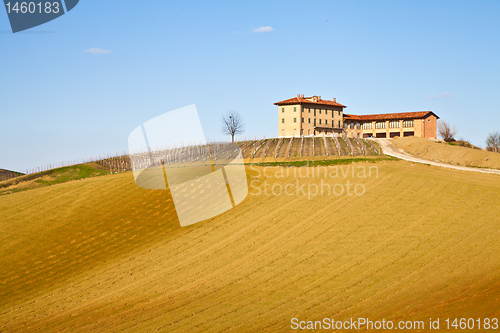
[59, 102]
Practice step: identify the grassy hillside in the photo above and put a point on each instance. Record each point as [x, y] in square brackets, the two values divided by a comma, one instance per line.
[81, 171]
[102, 254]
[448, 153]
[51, 177]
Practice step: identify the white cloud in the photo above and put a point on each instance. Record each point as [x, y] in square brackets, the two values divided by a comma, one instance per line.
[97, 51]
[263, 29]
[443, 95]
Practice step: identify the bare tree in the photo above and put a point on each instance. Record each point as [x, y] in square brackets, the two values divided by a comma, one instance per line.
[493, 142]
[446, 131]
[232, 124]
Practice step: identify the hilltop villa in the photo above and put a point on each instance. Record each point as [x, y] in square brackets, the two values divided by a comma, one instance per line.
[304, 116]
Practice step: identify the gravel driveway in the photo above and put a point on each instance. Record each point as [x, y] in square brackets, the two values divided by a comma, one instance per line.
[389, 149]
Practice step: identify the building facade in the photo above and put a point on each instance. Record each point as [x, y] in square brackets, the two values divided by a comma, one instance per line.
[305, 116]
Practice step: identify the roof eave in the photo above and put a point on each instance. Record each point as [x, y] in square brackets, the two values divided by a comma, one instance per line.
[308, 102]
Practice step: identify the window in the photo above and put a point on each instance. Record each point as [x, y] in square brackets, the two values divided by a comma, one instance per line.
[309, 120]
[282, 109]
[332, 113]
[309, 110]
[326, 122]
[339, 112]
[294, 109]
[315, 112]
[294, 120]
[358, 126]
[408, 123]
[320, 121]
[282, 120]
[394, 124]
[319, 111]
[314, 121]
[380, 124]
[358, 135]
[345, 125]
[339, 124]
[302, 120]
[367, 126]
[351, 125]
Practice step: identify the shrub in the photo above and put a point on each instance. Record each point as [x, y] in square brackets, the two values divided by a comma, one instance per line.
[447, 132]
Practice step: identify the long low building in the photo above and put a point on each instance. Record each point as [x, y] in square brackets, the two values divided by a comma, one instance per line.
[305, 116]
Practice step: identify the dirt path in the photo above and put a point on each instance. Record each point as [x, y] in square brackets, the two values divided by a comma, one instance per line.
[389, 149]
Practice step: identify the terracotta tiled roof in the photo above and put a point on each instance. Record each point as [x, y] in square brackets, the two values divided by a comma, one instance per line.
[327, 128]
[390, 116]
[351, 117]
[308, 100]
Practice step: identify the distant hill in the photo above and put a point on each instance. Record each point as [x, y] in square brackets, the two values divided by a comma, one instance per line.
[51, 177]
[7, 174]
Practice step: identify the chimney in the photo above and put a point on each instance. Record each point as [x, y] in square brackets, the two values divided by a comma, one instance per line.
[302, 96]
[335, 100]
[298, 95]
[319, 98]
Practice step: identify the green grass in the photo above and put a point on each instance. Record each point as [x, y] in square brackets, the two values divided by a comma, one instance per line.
[52, 177]
[338, 161]
[462, 143]
[65, 174]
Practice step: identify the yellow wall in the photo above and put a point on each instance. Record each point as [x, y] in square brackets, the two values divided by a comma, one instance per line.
[289, 113]
[386, 131]
[323, 117]
[418, 128]
[293, 115]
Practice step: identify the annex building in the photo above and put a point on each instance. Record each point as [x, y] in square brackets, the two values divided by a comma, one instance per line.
[306, 116]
